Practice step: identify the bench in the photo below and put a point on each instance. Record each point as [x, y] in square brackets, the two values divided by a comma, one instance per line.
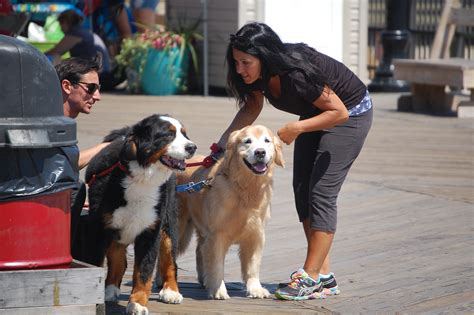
[430, 77]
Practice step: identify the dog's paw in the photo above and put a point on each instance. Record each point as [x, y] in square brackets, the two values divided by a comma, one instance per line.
[136, 309]
[220, 293]
[258, 292]
[111, 293]
[170, 296]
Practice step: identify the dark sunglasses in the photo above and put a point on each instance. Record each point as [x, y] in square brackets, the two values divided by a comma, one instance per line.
[91, 87]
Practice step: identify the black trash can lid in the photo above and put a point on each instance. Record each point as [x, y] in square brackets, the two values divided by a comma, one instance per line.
[31, 106]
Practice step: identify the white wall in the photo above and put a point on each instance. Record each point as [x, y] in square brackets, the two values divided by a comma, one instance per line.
[318, 23]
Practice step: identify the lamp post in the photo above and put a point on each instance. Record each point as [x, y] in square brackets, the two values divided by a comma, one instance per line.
[395, 45]
[205, 62]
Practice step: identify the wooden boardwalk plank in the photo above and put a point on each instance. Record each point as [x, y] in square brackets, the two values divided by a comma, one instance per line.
[406, 221]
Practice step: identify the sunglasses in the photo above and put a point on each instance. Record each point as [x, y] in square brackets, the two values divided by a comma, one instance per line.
[90, 87]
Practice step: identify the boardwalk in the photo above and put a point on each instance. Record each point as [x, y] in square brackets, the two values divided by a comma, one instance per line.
[406, 216]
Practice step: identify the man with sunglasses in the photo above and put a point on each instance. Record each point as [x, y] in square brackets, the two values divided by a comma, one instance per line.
[79, 79]
[80, 88]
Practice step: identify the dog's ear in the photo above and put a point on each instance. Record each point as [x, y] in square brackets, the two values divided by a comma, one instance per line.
[232, 140]
[230, 148]
[129, 150]
[278, 151]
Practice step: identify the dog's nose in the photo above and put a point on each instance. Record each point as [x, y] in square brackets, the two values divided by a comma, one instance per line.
[190, 148]
[260, 154]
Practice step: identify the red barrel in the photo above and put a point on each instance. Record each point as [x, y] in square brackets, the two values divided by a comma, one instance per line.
[35, 233]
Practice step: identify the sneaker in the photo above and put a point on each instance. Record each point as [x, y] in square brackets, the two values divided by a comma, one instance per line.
[301, 287]
[330, 285]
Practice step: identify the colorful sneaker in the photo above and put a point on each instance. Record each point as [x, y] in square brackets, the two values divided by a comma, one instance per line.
[301, 287]
[330, 285]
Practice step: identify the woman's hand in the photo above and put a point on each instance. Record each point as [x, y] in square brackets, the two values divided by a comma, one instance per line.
[289, 132]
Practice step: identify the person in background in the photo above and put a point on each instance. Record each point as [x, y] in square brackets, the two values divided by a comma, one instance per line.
[112, 21]
[77, 40]
[79, 80]
[144, 13]
[335, 115]
[82, 43]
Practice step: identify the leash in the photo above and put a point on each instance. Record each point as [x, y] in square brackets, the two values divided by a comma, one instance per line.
[108, 171]
[207, 162]
[194, 187]
[210, 159]
[189, 187]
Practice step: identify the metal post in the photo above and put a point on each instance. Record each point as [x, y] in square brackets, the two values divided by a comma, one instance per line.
[395, 45]
[205, 49]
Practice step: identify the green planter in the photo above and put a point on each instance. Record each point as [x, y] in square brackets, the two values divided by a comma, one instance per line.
[165, 72]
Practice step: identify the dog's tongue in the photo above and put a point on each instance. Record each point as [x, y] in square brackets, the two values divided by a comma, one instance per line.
[259, 167]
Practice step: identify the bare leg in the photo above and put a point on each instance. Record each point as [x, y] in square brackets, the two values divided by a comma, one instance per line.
[317, 256]
[123, 25]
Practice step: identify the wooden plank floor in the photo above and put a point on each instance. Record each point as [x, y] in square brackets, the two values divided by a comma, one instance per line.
[405, 233]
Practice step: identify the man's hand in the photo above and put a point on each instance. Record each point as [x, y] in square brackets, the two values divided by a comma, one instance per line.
[85, 156]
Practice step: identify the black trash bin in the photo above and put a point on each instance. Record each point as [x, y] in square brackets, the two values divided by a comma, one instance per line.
[38, 160]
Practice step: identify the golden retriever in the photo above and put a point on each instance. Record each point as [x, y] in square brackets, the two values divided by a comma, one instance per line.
[233, 210]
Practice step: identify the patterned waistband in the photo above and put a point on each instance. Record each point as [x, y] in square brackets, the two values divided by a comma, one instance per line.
[362, 107]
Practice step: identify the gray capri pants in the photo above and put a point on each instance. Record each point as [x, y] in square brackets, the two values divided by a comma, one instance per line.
[322, 160]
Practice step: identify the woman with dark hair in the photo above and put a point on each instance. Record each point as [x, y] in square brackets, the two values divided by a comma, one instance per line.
[335, 115]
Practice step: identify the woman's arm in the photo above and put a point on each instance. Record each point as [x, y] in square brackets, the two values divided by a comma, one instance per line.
[64, 45]
[244, 117]
[86, 155]
[334, 113]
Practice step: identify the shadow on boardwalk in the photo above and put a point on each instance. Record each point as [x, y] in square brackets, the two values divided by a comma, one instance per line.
[405, 231]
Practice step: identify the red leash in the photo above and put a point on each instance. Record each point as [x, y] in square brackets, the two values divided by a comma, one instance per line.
[108, 171]
[207, 162]
[210, 159]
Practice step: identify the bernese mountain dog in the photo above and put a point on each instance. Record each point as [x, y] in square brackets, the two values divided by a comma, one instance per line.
[132, 189]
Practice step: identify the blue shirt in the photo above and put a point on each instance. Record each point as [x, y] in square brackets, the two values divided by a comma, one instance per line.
[85, 48]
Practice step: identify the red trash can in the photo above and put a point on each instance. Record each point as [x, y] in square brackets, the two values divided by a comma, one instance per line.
[35, 232]
[38, 158]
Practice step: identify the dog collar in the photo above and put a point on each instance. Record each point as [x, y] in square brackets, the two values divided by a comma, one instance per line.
[194, 187]
[108, 171]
